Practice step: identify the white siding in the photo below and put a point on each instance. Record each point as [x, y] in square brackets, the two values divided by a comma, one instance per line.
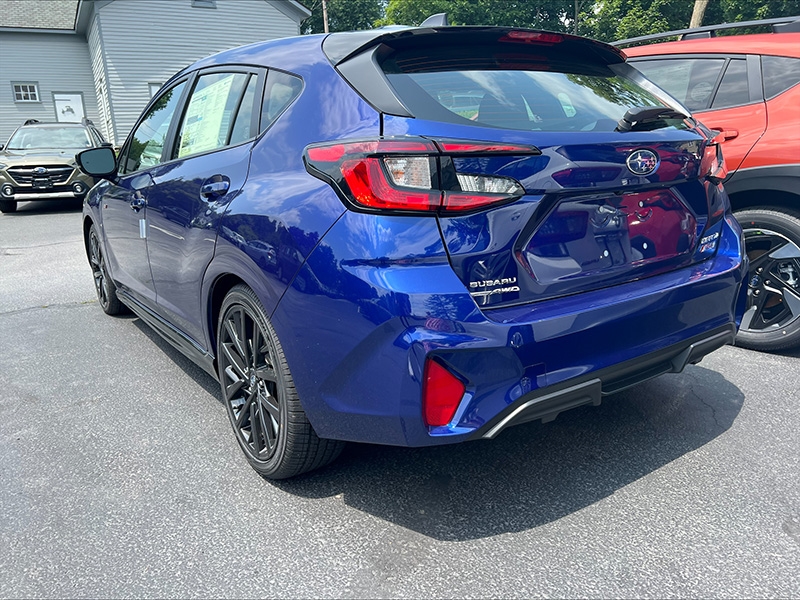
[58, 62]
[105, 123]
[148, 41]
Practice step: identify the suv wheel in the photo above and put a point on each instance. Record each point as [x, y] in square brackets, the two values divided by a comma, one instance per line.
[772, 241]
[8, 206]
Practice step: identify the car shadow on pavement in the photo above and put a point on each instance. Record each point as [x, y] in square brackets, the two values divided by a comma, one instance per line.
[46, 207]
[531, 474]
[534, 473]
[200, 377]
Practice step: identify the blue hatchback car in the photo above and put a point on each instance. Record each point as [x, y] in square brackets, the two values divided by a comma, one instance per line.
[356, 254]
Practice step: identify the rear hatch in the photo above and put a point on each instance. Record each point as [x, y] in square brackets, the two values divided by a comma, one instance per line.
[598, 179]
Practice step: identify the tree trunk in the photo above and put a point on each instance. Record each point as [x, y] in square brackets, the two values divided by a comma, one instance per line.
[698, 13]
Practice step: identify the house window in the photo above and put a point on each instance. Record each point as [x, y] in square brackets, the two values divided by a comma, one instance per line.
[204, 3]
[26, 92]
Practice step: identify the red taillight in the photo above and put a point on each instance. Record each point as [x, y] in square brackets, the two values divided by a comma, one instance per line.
[403, 174]
[466, 147]
[441, 394]
[370, 187]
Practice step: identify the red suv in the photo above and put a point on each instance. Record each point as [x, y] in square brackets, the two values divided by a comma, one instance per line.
[746, 87]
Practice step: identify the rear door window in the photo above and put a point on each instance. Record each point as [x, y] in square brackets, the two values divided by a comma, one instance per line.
[780, 73]
[733, 89]
[210, 113]
[690, 80]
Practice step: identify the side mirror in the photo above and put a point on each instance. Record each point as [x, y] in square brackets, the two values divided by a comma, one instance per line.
[98, 162]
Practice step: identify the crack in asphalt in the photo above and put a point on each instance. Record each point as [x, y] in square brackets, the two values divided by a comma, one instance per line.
[5, 249]
[707, 405]
[47, 307]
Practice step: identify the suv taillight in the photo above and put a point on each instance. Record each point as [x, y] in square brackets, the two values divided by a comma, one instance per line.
[412, 175]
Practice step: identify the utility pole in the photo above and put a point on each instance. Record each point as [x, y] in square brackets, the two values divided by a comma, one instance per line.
[575, 27]
[325, 16]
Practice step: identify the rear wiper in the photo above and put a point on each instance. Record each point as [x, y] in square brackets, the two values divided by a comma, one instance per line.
[646, 118]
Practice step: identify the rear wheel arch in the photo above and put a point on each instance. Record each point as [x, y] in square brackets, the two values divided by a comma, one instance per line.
[765, 198]
[219, 289]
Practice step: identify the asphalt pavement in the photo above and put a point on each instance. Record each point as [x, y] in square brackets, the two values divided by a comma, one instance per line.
[120, 477]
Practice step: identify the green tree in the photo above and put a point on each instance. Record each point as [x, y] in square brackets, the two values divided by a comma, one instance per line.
[619, 19]
[343, 15]
[554, 15]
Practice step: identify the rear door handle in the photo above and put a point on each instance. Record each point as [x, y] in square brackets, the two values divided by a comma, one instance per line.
[726, 134]
[215, 189]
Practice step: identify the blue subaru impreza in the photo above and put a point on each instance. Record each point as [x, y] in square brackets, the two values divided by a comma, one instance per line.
[416, 236]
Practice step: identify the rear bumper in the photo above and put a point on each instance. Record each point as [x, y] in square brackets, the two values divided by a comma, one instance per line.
[24, 196]
[547, 403]
[359, 370]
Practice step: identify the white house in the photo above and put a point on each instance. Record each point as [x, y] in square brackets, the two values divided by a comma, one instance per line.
[103, 59]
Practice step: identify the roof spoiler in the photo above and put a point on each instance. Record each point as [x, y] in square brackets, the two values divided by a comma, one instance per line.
[779, 25]
[339, 47]
[437, 20]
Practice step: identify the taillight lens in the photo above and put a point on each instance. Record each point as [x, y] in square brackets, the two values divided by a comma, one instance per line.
[442, 392]
[405, 174]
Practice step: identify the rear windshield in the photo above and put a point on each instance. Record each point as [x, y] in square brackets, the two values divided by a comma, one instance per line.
[525, 95]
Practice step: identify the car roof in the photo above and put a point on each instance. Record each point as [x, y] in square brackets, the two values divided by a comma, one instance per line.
[773, 44]
[53, 125]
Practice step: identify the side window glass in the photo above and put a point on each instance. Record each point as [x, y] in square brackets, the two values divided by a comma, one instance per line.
[733, 90]
[280, 91]
[147, 141]
[780, 73]
[243, 122]
[690, 80]
[210, 112]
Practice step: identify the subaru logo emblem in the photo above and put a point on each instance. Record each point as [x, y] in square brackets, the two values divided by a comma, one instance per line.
[40, 171]
[642, 162]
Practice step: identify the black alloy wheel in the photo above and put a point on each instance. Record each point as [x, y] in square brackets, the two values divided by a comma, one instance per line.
[772, 242]
[259, 394]
[105, 288]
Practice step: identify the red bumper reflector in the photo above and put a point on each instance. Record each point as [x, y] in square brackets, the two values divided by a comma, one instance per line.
[441, 394]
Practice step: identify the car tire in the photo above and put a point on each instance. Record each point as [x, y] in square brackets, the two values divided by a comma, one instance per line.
[8, 206]
[259, 394]
[105, 288]
[772, 241]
